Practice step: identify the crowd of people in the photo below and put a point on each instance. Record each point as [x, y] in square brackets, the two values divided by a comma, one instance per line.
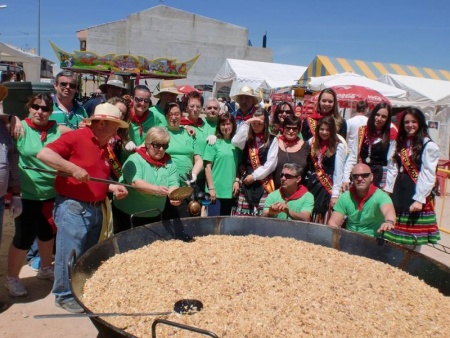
[366, 175]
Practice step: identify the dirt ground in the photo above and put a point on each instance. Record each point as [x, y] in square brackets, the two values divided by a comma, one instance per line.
[17, 320]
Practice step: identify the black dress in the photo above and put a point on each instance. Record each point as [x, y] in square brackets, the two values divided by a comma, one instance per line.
[300, 157]
[321, 196]
[378, 160]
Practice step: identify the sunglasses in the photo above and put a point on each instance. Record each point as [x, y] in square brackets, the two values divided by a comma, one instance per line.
[140, 99]
[356, 176]
[290, 128]
[65, 84]
[215, 108]
[159, 145]
[36, 107]
[285, 112]
[288, 176]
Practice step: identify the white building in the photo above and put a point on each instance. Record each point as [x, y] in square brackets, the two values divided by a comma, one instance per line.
[163, 31]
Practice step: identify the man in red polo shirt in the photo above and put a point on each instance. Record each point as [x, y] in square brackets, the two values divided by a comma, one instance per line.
[77, 212]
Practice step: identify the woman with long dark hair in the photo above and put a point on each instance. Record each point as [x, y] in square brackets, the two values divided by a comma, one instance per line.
[374, 145]
[327, 105]
[282, 111]
[411, 181]
[221, 162]
[259, 160]
[326, 167]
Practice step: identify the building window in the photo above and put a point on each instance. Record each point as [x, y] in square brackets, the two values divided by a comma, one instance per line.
[83, 45]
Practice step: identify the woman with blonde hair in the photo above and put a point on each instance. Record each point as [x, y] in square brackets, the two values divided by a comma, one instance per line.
[327, 105]
[154, 175]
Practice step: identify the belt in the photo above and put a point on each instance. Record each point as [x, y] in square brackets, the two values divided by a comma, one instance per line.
[92, 204]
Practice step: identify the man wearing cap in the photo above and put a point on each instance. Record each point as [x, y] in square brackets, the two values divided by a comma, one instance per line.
[78, 207]
[168, 92]
[368, 209]
[248, 101]
[113, 87]
[66, 110]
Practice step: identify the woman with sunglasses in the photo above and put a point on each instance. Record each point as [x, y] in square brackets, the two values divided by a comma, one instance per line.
[259, 160]
[411, 181]
[291, 149]
[38, 195]
[326, 167]
[283, 110]
[154, 175]
[373, 145]
[327, 105]
[221, 162]
[185, 153]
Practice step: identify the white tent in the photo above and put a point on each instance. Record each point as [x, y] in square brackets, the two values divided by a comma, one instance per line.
[347, 78]
[422, 92]
[432, 97]
[258, 75]
[31, 62]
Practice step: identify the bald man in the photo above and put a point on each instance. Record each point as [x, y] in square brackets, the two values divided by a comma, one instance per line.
[368, 209]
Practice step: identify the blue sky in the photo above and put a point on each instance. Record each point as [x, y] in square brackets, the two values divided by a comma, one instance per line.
[407, 32]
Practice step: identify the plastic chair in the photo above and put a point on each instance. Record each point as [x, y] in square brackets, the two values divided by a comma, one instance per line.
[441, 176]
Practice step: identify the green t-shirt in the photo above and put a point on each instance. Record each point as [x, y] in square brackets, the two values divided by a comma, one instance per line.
[134, 132]
[136, 168]
[71, 119]
[158, 112]
[225, 158]
[182, 149]
[35, 185]
[210, 127]
[304, 203]
[369, 219]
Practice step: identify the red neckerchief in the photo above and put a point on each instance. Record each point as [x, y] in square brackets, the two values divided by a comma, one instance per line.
[369, 140]
[393, 134]
[361, 202]
[323, 146]
[240, 115]
[315, 116]
[260, 137]
[42, 129]
[139, 120]
[296, 195]
[157, 163]
[186, 122]
[289, 143]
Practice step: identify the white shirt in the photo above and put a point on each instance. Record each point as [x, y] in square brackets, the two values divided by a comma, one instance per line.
[353, 125]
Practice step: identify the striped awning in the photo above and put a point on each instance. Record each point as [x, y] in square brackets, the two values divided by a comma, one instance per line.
[325, 65]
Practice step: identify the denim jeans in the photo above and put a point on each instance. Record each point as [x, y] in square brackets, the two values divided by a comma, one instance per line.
[79, 225]
[2, 211]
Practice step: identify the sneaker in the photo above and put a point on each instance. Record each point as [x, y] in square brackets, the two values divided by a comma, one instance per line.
[46, 273]
[15, 287]
[35, 263]
[70, 306]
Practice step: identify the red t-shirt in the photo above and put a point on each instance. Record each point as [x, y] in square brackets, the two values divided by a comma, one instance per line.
[81, 147]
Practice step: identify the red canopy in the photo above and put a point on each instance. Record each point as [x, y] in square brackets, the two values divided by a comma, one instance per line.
[187, 89]
[348, 96]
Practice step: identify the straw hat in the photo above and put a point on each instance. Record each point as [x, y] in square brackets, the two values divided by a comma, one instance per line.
[113, 80]
[247, 91]
[107, 111]
[167, 86]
